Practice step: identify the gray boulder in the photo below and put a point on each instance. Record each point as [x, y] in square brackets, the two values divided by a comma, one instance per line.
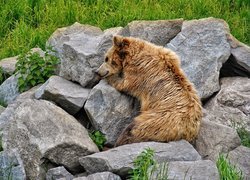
[203, 47]
[5, 116]
[57, 173]
[43, 132]
[9, 90]
[119, 160]
[11, 166]
[158, 32]
[214, 139]
[100, 176]
[195, 170]
[240, 157]
[66, 94]
[231, 106]
[109, 110]
[9, 64]
[81, 49]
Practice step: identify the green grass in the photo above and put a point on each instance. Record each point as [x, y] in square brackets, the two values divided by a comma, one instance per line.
[146, 167]
[25, 24]
[244, 136]
[227, 171]
[98, 138]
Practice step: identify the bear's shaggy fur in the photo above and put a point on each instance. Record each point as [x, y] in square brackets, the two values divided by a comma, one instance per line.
[170, 107]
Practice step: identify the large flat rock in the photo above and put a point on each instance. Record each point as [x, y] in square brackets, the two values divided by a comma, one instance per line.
[120, 160]
[195, 170]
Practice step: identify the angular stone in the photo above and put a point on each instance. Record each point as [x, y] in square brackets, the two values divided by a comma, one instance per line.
[195, 170]
[158, 32]
[202, 46]
[240, 157]
[9, 64]
[9, 90]
[81, 49]
[106, 108]
[119, 160]
[42, 131]
[214, 139]
[100, 176]
[241, 52]
[57, 173]
[231, 106]
[5, 116]
[11, 166]
[66, 94]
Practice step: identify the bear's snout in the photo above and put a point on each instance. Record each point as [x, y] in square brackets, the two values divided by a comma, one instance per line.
[102, 72]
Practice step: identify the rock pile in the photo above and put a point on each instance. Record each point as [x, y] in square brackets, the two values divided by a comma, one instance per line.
[44, 136]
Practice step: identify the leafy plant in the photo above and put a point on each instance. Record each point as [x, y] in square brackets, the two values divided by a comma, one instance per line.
[34, 69]
[226, 170]
[98, 138]
[146, 168]
[244, 136]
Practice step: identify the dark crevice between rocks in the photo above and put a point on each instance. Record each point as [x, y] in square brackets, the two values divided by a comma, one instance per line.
[232, 68]
[83, 119]
[206, 100]
[47, 164]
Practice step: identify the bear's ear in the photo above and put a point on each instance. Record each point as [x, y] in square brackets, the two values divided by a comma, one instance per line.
[120, 41]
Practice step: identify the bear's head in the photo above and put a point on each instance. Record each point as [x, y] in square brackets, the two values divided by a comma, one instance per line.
[115, 58]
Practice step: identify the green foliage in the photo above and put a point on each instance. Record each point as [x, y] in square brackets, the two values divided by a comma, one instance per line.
[34, 69]
[142, 163]
[227, 171]
[244, 136]
[146, 168]
[25, 24]
[242, 132]
[98, 138]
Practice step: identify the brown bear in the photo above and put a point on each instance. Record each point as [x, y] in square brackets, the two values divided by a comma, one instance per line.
[170, 107]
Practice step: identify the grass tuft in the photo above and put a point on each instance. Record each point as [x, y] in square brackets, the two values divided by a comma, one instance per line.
[244, 136]
[227, 171]
[146, 167]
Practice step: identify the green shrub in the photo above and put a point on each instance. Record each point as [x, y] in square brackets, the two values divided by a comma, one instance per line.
[98, 138]
[142, 163]
[226, 170]
[244, 136]
[33, 69]
[146, 168]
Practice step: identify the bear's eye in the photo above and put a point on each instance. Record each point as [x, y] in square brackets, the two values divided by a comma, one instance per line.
[106, 59]
[114, 63]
